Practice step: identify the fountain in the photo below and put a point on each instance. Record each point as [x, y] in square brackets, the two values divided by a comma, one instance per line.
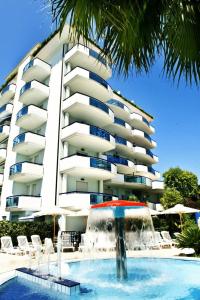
[121, 226]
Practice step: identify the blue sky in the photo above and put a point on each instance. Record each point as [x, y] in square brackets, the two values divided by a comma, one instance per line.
[176, 110]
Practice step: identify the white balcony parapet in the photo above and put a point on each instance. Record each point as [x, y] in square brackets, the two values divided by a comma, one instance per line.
[78, 200]
[141, 123]
[142, 138]
[36, 69]
[89, 59]
[149, 172]
[94, 167]
[3, 153]
[6, 110]
[89, 137]
[120, 127]
[34, 92]
[119, 108]
[7, 93]
[85, 82]
[4, 132]
[85, 108]
[158, 185]
[31, 117]
[137, 182]
[1, 179]
[26, 172]
[23, 203]
[28, 143]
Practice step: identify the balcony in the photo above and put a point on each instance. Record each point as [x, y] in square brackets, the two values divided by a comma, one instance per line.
[1, 179]
[89, 167]
[124, 165]
[157, 187]
[88, 83]
[84, 108]
[4, 131]
[33, 92]
[119, 108]
[31, 117]
[89, 137]
[28, 143]
[36, 69]
[124, 147]
[7, 93]
[79, 200]
[26, 172]
[146, 171]
[130, 181]
[3, 148]
[144, 155]
[120, 127]
[88, 59]
[142, 139]
[141, 123]
[23, 203]
[6, 110]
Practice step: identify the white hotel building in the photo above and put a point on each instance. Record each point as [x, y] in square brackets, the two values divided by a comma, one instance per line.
[66, 137]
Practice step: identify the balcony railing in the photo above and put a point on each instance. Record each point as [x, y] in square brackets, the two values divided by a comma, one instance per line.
[17, 168]
[151, 170]
[19, 139]
[25, 87]
[22, 112]
[12, 201]
[135, 179]
[148, 152]
[96, 198]
[99, 104]
[120, 140]
[117, 160]
[4, 90]
[97, 78]
[3, 108]
[147, 137]
[100, 163]
[96, 55]
[116, 103]
[119, 121]
[28, 65]
[145, 121]
[99, 132]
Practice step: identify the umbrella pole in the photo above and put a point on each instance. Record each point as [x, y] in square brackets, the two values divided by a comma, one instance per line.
[181, 221]
[54, 228]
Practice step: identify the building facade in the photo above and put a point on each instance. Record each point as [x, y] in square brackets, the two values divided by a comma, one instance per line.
[68, 139]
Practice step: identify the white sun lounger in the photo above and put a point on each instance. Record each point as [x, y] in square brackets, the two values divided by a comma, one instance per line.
[167, 238]
[36, 242]
[7, 246]
[159, 239]
[24, 245]
[66, 242]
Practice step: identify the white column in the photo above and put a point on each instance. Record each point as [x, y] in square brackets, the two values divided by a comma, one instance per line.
[67, 92]
[66, 119]
[100, 186]
[65, 149]
[68, 67]
[64, 183]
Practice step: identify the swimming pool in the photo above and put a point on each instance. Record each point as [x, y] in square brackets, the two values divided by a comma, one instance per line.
[149, 278]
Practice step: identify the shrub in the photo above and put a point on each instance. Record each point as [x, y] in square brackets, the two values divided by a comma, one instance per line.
[14, 229]
[190, 238]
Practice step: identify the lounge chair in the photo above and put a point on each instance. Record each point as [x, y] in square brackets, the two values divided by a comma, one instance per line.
[48, 246]
[24, 245]
[7, 246]
[66, 242]
[134, 241]
[104, 243]
[160, 241]
[36, 242]
[150, 241]
[167, 238]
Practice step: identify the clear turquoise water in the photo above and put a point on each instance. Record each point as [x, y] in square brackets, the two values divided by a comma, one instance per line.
[159, 279]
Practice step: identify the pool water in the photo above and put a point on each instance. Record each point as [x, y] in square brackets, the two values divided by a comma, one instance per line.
[158, 279]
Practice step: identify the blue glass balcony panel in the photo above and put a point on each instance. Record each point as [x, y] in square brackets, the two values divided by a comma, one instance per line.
[19, 139]
[25, 87]
[119, 121]
[117, 160]
[116, 103]
[100, 163]
[147, 137]
[28, 65]
[145, 121]
[151, 170]
[149, 152]
[99, 198]
[97, 78]
[17, 168]
[99, 104]
[135, 179]
[120, 140]
[3, 108]
[99, 132]
[12, 201]
[97, 56]
[4, 90]
[22, 112]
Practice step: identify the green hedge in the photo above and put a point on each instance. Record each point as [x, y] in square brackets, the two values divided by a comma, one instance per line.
[14, 229]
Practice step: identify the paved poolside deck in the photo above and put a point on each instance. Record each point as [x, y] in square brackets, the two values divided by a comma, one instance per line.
[11, 262]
